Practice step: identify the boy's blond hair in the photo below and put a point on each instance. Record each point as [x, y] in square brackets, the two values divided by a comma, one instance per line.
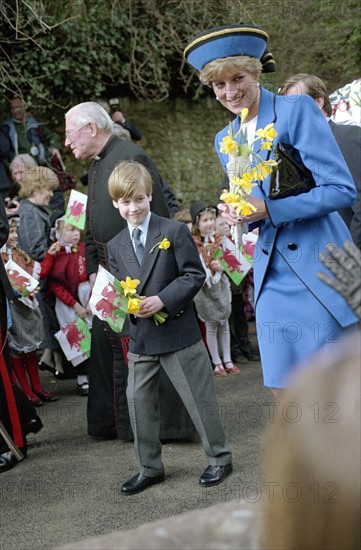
[127, 179]
[36, 179]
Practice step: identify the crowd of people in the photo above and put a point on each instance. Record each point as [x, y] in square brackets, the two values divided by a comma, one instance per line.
[149, 382]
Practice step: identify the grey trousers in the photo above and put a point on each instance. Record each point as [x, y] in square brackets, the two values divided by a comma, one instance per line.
[191, 374]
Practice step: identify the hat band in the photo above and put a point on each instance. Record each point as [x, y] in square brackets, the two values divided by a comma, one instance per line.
[249, 31]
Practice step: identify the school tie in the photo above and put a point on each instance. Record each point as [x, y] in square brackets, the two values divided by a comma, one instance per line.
[139, 248]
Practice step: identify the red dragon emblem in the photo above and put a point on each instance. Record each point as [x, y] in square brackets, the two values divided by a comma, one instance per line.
[73, 335]
[18, 282]
[76, 209]
[105, 305]
[248, 248]
[231, 261]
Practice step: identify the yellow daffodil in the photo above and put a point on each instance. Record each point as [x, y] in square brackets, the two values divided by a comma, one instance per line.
[133, 305]
[245, 208]
[129, 286]
[163, 245]
[244, 114]
[226, 196]
[266, 145]
[268, 132]
[263, 169]
[244, 183]
[229, 146]
[134, 300]
[241, 157]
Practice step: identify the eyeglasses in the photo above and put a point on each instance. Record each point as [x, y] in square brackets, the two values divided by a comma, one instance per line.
[68, 134]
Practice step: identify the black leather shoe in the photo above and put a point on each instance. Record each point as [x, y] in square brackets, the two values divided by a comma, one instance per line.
[139, 482]
[252, 356]
[240, 359]
[214, 475]
[34, 425]
[7, 461]
[46, 396]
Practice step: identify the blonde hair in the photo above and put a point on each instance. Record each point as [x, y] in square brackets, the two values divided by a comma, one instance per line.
[23, 255]
[127, 179]
[312, 460]
[36, 179]
[183, 216]
[212, 70]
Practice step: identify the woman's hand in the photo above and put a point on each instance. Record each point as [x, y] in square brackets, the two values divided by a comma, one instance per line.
[229, 212]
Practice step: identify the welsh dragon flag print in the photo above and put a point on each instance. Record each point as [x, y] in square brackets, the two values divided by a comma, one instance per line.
[107, 301]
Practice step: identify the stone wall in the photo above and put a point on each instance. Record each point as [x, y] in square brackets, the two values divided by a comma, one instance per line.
[179, 137]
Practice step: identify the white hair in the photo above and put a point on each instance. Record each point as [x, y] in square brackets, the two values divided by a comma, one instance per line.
[90, 111]
[23, 158]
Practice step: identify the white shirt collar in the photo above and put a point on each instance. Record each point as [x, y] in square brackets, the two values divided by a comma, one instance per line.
[143, 227]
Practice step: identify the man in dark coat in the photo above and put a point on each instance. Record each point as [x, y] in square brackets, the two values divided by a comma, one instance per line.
[348, 137]
[89, 135]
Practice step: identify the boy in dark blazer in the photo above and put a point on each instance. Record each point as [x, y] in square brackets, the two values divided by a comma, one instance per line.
[170, 275]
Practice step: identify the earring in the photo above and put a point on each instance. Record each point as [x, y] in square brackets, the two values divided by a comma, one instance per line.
[217, 98]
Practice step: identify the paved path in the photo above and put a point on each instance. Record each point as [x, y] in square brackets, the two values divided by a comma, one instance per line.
[68, 487]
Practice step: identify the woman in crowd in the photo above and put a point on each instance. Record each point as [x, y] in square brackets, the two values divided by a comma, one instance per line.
[295, 313]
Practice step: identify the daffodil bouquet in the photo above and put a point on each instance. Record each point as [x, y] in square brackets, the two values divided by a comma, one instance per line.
[129, 287]
[245, 166]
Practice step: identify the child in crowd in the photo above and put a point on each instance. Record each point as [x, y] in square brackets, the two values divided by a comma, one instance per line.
[37, 187]
[213, 301]
[184, 216]
[241, 347]
[26, 333]
[64, 269]
[162, 255]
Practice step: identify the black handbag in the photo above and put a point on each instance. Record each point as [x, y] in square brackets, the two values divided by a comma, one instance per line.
[289, 178]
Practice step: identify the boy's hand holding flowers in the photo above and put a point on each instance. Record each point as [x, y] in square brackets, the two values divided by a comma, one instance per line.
[149, 306]
[142, 306]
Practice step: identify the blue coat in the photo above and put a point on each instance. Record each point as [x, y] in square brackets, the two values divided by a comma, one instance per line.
[298, 228]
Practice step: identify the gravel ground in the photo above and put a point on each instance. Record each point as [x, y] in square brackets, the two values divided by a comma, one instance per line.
[68, 487]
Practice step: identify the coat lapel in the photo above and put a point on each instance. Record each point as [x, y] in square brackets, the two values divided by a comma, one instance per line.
[127, 254]
[154, 236]
[265, 116]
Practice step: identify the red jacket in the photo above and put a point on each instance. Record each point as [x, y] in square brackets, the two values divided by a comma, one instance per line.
[64, 272]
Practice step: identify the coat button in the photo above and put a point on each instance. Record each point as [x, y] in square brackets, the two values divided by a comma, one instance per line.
[265, 251]
[292, 246]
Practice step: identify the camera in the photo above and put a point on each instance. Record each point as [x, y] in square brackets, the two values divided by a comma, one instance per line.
[114, 104]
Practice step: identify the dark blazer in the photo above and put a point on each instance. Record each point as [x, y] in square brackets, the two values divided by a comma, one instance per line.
[175, 275]
[348, 137]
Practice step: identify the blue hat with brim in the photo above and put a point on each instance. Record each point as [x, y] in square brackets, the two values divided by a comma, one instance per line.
[229, 41]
